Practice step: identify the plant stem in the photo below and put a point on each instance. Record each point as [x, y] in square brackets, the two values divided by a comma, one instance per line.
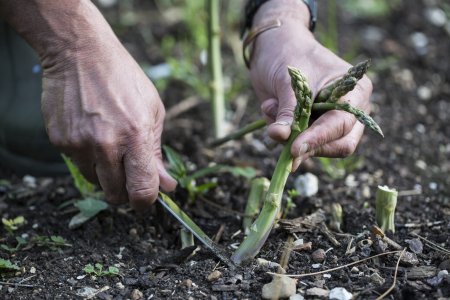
[386, 201]
[215, 67]
[360, 115]
[239, 133]
[260, 229]
[258, 190]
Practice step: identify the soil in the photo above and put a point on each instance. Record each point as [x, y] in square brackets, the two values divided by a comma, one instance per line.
[410, 102]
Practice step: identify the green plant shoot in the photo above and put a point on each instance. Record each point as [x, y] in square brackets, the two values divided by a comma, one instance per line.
[12, 225]
[98, 270]
[260, 229]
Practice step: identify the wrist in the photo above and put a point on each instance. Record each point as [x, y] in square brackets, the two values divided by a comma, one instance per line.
[60, 31]
[283, 10]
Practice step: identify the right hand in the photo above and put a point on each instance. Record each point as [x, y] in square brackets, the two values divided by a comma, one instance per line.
[104, 113]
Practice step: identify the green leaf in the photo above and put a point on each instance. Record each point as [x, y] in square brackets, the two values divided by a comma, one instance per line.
[177, 168]
[89, 208]
[89, 269]
[6, 265]
[113, 271]
[85, 188]
[203, 188]
[247, 172]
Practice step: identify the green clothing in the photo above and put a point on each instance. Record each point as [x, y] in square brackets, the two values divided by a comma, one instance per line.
[24, 145]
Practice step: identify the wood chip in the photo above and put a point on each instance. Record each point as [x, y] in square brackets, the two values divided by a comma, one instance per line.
[421, 272]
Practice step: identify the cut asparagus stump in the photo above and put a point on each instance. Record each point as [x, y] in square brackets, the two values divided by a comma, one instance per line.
[386, 201]
[258, 190]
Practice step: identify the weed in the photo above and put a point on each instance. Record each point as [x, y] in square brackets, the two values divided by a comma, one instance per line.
[12, 225]
[179, 170]
[7, 266]
[337, 168]
[21, 242]
[98, 271]
[53, 242]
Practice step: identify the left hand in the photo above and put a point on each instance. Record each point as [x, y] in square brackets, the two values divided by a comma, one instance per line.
[335, 133]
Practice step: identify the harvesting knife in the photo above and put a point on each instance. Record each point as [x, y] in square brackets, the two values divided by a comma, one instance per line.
[187, 222]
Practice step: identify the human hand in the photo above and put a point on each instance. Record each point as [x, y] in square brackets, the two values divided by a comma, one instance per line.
[102, 111]
[335, 133]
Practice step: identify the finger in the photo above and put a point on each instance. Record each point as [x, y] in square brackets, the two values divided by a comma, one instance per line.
[142, 179]
[166, 182]
[111, 177]
[281, 128]
[329, 127]
[269, 110]
[344, 146]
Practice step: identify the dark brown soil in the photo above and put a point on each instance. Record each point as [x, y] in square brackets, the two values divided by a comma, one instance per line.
[411, 104]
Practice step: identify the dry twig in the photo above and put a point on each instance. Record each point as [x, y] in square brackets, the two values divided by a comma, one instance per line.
[335, 269]
[395, 277]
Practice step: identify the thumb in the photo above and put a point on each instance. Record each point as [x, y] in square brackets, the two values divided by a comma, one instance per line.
[142, 179]
[166, 182]
[281, 128]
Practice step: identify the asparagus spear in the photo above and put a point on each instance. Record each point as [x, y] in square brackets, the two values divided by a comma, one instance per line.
[258, 190]
[260, 229]
[356, 71]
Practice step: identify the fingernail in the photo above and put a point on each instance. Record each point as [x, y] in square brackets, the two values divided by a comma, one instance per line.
[295, 164]
[303, 149]
[282, 123]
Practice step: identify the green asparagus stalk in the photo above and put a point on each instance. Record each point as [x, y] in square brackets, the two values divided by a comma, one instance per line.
[348, 84]
[356, 71]
[386, 201]
[258, 190]
[260, 229]
[240, 132]
[360, 115]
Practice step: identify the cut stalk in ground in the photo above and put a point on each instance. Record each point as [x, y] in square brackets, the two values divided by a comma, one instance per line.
[261, 228]
[258, 190]
[386, 201]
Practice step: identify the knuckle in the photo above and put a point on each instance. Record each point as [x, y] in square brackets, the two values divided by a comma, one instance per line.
[143, 195]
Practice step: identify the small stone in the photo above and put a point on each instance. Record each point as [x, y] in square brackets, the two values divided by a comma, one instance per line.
[421, 164]
[279, 287]
[187, 283]
[350, 181]
[316, 266]
[436, 16]
[318, 256]
[408, 258]
[340, 293]
[420, 42]
[317, 292]
[433, 186]
[296, 297]
[29, 181]
[366, 192]
[354, 270]
[136, 294]
[437, 280]
[214, 275]
[377, 279]
[120, 285]
[133, 232]
[307, 185]
[424, 93]
[415, 245]
[32, 270]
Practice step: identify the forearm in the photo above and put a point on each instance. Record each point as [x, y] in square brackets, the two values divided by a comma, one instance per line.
[59, 30]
